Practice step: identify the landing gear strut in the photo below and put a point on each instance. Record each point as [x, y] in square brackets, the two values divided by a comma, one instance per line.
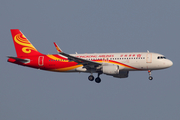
[98, 79]
[150, 77]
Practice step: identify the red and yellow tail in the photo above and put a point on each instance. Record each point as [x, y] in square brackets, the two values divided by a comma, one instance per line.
[22, 45]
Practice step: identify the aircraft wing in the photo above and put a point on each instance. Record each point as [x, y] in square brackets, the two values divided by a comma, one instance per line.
[85, 63]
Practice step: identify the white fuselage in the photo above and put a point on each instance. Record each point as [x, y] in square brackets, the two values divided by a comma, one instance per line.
[129, 61]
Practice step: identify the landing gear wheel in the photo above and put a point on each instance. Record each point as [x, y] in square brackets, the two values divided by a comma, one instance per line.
[98, 80]
[91, 78]
[150, 78]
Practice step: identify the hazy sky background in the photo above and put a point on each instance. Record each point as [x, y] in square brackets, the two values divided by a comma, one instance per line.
[90, 26]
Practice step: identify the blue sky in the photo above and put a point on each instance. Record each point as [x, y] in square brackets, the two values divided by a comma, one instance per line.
[85, 26]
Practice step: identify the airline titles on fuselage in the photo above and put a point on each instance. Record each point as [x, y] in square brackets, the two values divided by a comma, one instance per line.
[108, 56]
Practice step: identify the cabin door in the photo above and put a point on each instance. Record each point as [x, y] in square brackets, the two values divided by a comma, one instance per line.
[41, 60]
[149, 58]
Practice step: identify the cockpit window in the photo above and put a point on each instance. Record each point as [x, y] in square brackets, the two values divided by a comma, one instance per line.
[161, 57]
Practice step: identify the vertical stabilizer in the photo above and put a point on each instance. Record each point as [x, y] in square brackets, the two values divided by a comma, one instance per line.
[22, 44]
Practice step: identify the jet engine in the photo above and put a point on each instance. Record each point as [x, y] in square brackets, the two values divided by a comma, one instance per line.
[115, 71]
[110, 70]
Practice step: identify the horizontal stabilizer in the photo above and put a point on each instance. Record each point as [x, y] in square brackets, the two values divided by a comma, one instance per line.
[19, 59]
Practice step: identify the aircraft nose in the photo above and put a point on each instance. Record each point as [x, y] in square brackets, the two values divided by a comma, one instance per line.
[169, 63]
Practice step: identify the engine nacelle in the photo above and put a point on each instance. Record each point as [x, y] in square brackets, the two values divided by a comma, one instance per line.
[110, 70]
[115, 71]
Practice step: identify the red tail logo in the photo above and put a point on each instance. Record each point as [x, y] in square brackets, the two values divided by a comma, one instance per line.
[22, 45]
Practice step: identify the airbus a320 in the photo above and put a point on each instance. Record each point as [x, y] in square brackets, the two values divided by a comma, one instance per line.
[114, 64]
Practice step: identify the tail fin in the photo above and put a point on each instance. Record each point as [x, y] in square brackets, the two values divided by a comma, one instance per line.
[22, 45]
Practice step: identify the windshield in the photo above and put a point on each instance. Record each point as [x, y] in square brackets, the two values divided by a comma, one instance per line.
[161, 57]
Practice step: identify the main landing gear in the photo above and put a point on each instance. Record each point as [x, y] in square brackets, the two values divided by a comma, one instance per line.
[91, 78]
[150, 77]
[97, 80]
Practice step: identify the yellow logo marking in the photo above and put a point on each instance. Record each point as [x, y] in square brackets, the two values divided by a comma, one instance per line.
[22, 40]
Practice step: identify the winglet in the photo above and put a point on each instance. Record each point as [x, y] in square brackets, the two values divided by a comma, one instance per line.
[57, 48]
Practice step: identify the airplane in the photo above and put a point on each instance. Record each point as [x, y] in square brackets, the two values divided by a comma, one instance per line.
[117, 65]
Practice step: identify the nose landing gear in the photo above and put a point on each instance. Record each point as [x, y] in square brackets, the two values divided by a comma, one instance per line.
[150, 77]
